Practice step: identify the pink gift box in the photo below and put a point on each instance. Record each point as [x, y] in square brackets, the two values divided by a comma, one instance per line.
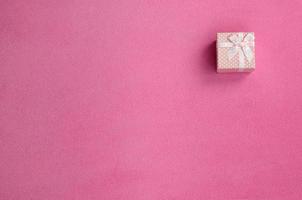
[235, 52]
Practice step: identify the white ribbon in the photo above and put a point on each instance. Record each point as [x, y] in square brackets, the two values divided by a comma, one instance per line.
[240, 45]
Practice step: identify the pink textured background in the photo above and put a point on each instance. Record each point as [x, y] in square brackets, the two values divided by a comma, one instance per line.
[119, 100]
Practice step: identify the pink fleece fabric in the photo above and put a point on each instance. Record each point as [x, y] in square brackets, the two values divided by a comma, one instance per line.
[119, 100]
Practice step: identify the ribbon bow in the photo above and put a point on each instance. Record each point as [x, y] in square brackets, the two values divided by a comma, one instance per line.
[240, 45]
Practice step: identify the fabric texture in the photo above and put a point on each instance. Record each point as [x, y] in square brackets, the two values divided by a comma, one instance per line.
[120, 100]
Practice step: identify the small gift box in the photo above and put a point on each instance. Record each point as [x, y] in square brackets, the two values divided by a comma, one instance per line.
[235, 52]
